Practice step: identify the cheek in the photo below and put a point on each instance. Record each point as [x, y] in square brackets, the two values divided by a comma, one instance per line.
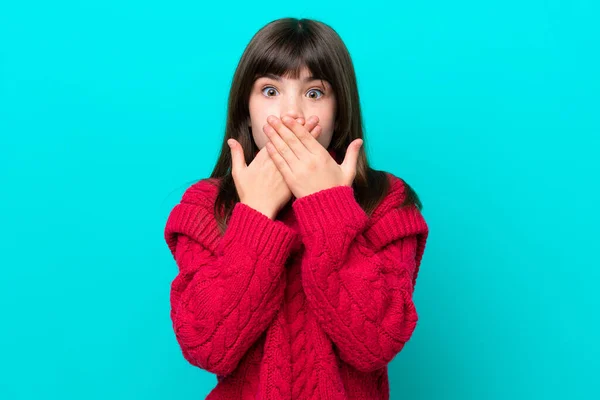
[259, 136]
[326, 114]
[260, 106]
[258, 118]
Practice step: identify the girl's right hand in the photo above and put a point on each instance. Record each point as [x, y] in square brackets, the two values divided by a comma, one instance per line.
[260, 185]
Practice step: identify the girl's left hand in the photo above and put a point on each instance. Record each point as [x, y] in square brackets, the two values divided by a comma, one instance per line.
[304, 163]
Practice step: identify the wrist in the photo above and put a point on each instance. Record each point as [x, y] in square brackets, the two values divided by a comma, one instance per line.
[263, 210]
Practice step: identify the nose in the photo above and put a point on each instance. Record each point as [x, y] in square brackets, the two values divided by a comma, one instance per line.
[291, 110]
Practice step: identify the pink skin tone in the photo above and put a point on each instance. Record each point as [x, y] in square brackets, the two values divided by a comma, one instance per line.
[295, 98]
[306, 166]
[302, 159]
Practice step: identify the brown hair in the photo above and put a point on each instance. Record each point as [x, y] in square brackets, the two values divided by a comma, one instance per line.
[283, 47]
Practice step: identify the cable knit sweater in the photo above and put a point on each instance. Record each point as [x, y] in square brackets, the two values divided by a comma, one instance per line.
[311, 305]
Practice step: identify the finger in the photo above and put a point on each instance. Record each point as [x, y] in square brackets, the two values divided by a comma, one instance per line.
[316, 131]
[306, 140]
[280, 145]
[279, 161]
[261, 157]
[288, 131]
[311, 123]
[237, 156]
[349, 163]
[312, 126]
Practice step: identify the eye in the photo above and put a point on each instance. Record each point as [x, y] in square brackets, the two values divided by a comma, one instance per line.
[317, 90]
[268, 87]
[272, 89]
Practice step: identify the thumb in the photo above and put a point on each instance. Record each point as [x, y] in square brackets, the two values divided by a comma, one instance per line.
[237, 155]
[351, 158]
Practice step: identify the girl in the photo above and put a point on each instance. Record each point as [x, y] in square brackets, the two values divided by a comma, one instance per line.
[297, 269]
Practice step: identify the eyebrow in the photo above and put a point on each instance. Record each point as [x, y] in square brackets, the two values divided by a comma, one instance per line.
[278, 78]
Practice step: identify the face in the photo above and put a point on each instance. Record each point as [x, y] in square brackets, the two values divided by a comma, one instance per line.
[297, 98]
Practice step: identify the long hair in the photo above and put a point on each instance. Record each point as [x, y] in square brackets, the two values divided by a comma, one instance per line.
[283, 47]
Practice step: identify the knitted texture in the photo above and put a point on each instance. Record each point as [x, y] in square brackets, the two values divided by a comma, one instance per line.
[312, 305]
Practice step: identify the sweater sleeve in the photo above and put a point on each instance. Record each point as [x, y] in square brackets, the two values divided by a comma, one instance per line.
[359, 275]
[228, 288]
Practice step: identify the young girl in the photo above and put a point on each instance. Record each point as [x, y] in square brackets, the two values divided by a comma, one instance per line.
[297, 261]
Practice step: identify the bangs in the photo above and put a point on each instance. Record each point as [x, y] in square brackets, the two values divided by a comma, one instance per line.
[288, 56]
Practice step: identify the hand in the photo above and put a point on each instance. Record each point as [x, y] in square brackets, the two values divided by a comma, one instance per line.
[260, 185]
[304, 163]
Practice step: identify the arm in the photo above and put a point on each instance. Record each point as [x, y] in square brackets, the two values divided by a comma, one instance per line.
[228, 288]
[359, 279]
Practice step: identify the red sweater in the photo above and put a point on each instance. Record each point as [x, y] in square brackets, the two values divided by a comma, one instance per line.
[312, 305]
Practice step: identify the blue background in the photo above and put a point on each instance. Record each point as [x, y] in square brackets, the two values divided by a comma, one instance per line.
[489, 109]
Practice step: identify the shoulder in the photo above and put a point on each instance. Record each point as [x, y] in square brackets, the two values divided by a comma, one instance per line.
[399, 194]
[397, 216]
[202, 193]
[397, 191]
